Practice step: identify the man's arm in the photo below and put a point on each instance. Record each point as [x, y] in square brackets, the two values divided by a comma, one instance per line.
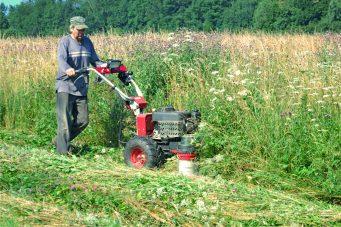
[62, 54]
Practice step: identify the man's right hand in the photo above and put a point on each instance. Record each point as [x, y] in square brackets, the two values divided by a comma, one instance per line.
[70, 72]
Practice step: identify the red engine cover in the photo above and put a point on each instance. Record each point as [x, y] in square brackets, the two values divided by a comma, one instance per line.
[106, 70]
[144, 124]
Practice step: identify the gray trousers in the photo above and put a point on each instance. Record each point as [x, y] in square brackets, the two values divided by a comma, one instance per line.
[72, 117]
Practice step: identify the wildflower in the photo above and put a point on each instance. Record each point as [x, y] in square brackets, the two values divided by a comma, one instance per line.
[202, 125]
[184, 202]
[229, 98]
[313, 94]
[325, 96]
[327, 88]
[212, 90]
[218, 158]
[230, 76]
[215, 73]
[237, 73]
[159, 191]
[244, 81]
[201, 205]
[175, 45]
[243, 92]
[313, 120]
[319, 101]
[219, 91]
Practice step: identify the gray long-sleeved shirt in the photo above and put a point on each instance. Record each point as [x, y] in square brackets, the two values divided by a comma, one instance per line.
[72, 54]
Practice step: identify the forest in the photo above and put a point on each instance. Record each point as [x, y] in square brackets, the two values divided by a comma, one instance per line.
[50, 17]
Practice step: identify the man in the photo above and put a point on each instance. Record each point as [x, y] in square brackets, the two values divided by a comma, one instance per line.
[75, 51]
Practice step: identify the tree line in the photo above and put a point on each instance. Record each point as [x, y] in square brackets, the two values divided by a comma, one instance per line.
[50, 17]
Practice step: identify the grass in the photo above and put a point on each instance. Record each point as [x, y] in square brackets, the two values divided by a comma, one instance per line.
[40, 187]
[270, 132]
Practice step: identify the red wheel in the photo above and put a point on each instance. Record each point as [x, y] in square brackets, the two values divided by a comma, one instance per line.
[143, 152]
[137, 157]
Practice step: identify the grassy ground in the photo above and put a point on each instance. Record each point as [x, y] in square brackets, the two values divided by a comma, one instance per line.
[39, 187]
[269, 143]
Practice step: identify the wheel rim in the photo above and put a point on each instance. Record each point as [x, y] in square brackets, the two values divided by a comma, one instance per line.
[137, 157]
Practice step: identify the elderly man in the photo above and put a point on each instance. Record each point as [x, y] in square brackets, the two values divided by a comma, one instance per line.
[75, 51]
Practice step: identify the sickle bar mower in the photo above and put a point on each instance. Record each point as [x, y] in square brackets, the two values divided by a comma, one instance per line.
[159, 134]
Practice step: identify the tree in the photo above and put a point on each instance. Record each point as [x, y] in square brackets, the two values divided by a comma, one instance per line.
[332, 21]
[3, 19]
[290, 14]
[240, 14]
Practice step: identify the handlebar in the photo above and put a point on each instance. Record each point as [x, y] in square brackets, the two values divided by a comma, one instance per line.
[81, 71]
[124, 96]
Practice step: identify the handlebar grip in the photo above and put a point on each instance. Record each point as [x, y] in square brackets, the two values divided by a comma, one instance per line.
[81, 71]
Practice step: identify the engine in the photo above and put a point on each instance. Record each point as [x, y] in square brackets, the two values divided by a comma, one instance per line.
[171, 124]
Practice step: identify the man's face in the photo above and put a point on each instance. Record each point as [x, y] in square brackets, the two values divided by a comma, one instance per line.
[78, 33]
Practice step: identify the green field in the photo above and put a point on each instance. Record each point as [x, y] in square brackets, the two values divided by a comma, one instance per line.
[269, 143]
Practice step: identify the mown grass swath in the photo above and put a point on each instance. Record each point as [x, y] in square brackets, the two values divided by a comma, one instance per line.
[270, 103]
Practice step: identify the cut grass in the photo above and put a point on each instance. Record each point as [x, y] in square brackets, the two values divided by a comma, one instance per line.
[37, 184]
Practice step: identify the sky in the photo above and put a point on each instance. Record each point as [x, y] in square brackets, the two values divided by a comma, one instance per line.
[10, 2]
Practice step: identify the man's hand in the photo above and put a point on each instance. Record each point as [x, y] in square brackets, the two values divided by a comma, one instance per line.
[70, 72]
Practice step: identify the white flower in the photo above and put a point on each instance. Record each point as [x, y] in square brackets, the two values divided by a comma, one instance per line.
[237, 73]
[201, 205]
[215, 72]
[184, 202]
[229, 98]
[313, 94]
[212, 90]
[230, 76]
[219, 157]
[327, 88]
[244, 81]
[175, 45]
[159, 191]
[202, 125]
[243, 92]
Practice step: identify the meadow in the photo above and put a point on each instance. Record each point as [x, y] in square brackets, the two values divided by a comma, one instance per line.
[269, 143]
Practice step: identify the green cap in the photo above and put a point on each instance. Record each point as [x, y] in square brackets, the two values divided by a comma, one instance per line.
[78, 22]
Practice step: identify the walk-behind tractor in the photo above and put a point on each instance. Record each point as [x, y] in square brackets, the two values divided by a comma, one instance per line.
[160, 134]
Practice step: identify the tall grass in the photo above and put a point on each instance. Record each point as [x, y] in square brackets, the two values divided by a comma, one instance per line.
[269, 102]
